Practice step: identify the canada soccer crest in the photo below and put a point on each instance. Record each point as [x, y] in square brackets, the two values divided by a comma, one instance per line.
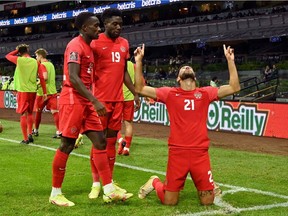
[123, 49]
[198, 95]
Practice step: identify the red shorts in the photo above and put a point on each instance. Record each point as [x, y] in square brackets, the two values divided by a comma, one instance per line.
[113, 118]
[181, 162]
[77, 118]
[25, 102]
[128, 110]
[50, 103]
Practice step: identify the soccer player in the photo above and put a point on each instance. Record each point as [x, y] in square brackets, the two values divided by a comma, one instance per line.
[77, 111]
[188, 142]
[111, 53]
[127, 115]
[51, 102]
[25, 84]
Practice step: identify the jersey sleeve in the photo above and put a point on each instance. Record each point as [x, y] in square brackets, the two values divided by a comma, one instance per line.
[74, 53]
[212, 93]
[12, 56]
[162, 94]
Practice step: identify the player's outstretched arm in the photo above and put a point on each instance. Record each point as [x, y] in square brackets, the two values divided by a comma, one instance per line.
[139, 85]
[234, 85]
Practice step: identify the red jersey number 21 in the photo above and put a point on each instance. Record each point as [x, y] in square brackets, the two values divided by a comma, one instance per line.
[115, 57]
[189, 104]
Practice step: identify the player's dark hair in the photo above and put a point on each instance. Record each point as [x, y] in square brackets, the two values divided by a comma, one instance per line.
[109, 13]
[82, 18]
[214, 78]
[41, 52]
[22, 50]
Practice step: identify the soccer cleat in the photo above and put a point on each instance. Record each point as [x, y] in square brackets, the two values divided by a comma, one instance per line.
[94, 192]
[121, 146]
[57, 136]
[30, 138]
[126, 152]
[60, 200]
[35, 133]
[79, 141]
[24, 142]
[116, 195]
[146, 188]
[217, 190]
[119, 188]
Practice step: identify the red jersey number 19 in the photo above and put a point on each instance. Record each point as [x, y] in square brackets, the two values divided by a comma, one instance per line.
[115, 57]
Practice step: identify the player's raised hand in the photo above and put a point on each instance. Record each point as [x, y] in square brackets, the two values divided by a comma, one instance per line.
[139, 53]
[229, 53]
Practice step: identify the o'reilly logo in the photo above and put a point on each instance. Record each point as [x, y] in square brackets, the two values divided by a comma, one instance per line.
[246, 118]
[10, 100]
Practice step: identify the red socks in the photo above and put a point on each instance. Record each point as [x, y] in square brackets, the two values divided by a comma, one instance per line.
[111, 152]
[100, 160]
[56, 120]
[128, 141]
[23, 124]
[58, 168]
[38, 116]
[95, 175]
[30, 123]
[159, 188]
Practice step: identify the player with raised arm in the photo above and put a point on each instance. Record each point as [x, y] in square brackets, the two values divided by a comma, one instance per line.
[188, 141]
[25, 83]
[77, 112]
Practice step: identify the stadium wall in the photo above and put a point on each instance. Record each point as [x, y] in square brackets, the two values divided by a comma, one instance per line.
[258, 119]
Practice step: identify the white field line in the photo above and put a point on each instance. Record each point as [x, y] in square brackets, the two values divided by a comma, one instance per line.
[227, 208]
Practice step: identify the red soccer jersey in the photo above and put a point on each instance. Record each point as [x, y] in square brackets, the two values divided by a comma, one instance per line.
[77, 51]
[188, 115]
[110, 60]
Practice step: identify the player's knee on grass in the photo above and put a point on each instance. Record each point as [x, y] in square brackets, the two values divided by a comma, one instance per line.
[206, 197]
[171, 198]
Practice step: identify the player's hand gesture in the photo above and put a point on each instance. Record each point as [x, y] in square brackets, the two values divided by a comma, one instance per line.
[139, 53]
[137, 102]
[229, 53]
[100, 108]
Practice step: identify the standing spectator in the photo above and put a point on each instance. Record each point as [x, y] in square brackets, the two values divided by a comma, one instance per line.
[188, 142]
[77, 111]
[128, 115]
[267, 72]
[51, 102]
[214, 81]
[274, 71]
[111, 53]
[26, 85]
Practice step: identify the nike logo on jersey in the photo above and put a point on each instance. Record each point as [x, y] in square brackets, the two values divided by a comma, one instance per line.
[104, 48]
[177, 94]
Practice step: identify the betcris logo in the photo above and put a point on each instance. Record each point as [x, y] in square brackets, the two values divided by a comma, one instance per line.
[77, 12]
[126, 5]
[146, 3]
[62, 15]
[20, 21]
[39, 18]
[4, 22]
[98, 10]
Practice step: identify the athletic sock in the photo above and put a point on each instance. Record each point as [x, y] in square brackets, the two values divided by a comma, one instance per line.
[94, 171]
[55, 191]
[128, 140]
[30, 123]
[111, 152]
[159, 188]
[100, 160]
[59, 168]
[56, 120]
[23, 124]
[38, 116]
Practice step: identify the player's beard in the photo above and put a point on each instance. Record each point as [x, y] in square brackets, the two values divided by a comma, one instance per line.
[187, 75]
